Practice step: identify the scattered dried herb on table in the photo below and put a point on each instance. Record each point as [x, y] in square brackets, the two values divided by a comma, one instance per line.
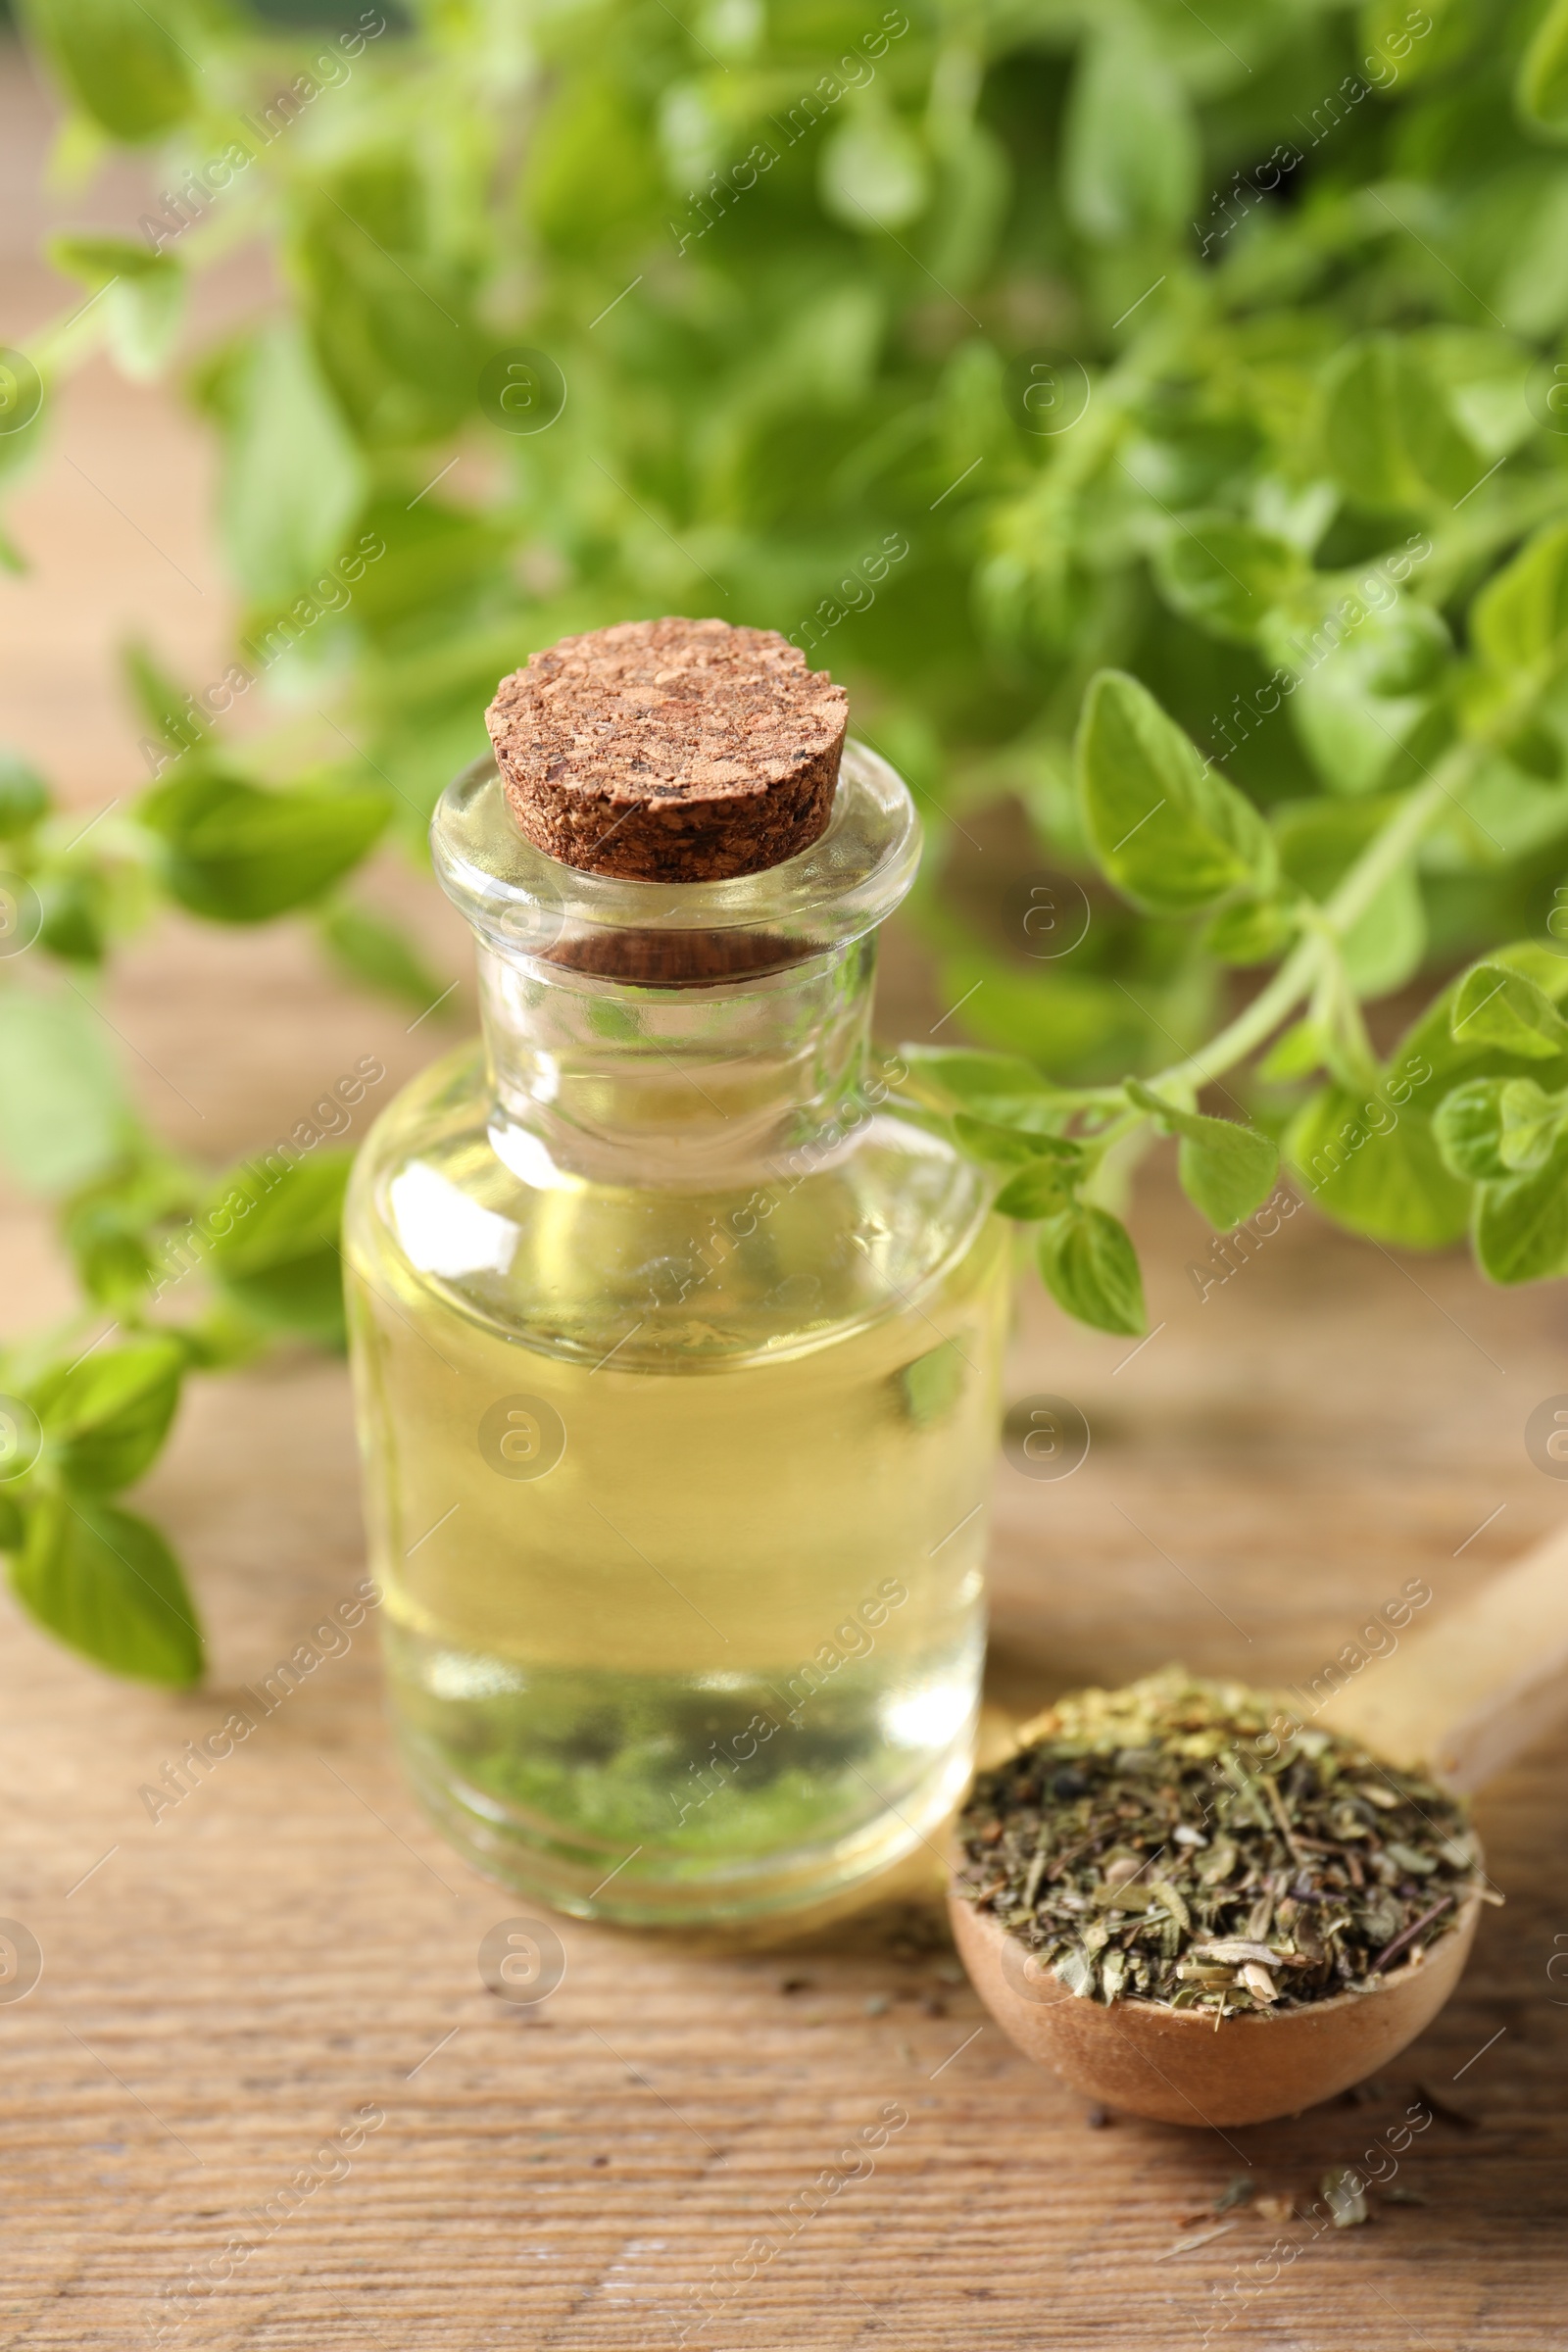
[1163, 1842]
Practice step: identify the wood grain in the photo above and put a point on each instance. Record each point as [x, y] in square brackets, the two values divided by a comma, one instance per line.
[1479, 1686]
[228, 1986]
[290, 1943]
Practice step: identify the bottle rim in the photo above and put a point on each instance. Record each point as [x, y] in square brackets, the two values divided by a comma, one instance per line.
[522, 901]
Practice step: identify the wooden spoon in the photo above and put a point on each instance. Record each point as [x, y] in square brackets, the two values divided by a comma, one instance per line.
[1461, 1699]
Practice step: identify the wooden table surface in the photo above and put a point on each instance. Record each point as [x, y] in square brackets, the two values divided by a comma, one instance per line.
[659, 2144]
[232, 1986]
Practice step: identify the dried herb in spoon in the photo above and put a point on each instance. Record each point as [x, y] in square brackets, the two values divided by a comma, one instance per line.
[1162, 1843]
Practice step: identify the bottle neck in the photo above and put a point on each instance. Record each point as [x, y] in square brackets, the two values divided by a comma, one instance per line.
[695, 1088]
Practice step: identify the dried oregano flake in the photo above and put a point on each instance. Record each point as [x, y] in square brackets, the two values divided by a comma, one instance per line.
[1168, 1842]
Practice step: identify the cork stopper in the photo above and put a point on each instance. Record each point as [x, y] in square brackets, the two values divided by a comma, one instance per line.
[670, 751]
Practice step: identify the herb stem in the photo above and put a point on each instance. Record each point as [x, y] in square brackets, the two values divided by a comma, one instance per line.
[1390, 1950]
[1387, 850]
[1293, 981]
[1378, 862]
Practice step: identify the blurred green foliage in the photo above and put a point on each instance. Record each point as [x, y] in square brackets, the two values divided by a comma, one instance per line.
[1208, 371]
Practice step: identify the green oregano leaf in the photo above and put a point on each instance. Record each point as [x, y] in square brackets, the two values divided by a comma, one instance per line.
[73, 908]
[294, 478]
[1090, 1267]
[1520, 619]
[1035, 1192]
[1404, 43]
[372, 952]
[1541, 91]
[1389, 436]
[237, 853]
[120, 61]
[1521, 1225]
[1432, 1053]
[1531, 1123]
[63, 1116]
[1224, 574]
[973, 1077]
[873, 172]
[999, 1090]
[1171, 834]
[1468, 1127]
[277, 1254]
[107, 1416]
[1130, 149]
[1256, 931]
[1295, 1052]
[1226, 1169]
[932, 1383]
[1498, 1007]
[1374, 1166]
[1001, 1147]
[1494, 1128]
[107, 1582]
[24, 796]
[144, 295]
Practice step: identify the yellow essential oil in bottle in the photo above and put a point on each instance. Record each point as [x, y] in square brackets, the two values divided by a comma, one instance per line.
[677, 1356]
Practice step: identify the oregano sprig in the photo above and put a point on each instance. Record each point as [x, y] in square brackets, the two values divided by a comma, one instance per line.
[1214, 389]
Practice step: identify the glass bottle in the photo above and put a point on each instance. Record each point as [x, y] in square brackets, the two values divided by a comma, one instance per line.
[676, 1356]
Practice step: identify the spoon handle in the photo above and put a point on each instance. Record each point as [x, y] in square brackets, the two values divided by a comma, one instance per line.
[1466, 1695]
